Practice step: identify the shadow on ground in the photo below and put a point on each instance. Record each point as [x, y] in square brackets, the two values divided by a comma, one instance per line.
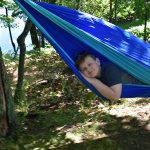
[48, 131]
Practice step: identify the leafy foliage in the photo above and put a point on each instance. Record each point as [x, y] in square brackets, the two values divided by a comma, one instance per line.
[4, 19]
[7, 3]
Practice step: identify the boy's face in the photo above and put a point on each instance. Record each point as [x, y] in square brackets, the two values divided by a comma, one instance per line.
[90, 67]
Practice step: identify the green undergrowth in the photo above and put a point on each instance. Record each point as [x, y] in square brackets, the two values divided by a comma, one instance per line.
[58, 112]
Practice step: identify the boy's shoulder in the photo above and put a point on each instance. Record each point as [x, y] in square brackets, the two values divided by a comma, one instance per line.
[110, 66]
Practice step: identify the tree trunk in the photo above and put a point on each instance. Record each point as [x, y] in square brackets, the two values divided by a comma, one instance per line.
[77, 4]
[22, 46]
[9, 28]
[60, 2]
[145, 24]
[7, 115]
[3, 113]
[146, 15]
[42, 41]
[49, 1]
[115, 10]
[110, 11]
[34, 36]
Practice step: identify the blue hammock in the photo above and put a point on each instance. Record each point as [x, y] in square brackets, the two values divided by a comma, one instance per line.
[71, 31]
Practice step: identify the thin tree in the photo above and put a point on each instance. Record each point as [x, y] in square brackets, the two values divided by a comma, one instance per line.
[110, 10]
[10, 33]
[115, 10]
[22, 47]
[34, 36]
[142, 9]
[146, 15]
[77, 4]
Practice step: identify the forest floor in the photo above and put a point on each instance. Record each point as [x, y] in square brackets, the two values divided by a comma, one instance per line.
[58, 112]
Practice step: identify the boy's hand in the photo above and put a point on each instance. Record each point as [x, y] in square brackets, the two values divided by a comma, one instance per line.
[90, 80]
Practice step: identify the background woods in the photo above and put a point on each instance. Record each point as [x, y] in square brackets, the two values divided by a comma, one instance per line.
[35, 89]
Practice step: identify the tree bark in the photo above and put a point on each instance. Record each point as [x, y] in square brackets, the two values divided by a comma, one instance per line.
[42, 40]
[9, 28]
[3, 113]
[110, 11]
[77, 4]
[7, 113]
[145, 24]
[22, 46]
[146, 15]
[34, 36]
[115, 10]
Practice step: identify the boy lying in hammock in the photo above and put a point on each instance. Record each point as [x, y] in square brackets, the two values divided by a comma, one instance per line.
[106, 78]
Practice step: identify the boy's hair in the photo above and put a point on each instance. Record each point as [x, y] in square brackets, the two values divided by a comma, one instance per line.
[80, 58]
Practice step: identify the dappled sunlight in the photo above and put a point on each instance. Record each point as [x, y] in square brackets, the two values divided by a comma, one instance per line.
[58, 116]
[75, 138]
[12, 68]
[141, 112]
[103, 126]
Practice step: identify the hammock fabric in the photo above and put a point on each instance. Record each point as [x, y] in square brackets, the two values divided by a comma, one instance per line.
[71, 31]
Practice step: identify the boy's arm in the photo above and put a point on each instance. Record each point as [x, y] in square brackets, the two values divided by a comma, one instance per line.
[112, 93]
